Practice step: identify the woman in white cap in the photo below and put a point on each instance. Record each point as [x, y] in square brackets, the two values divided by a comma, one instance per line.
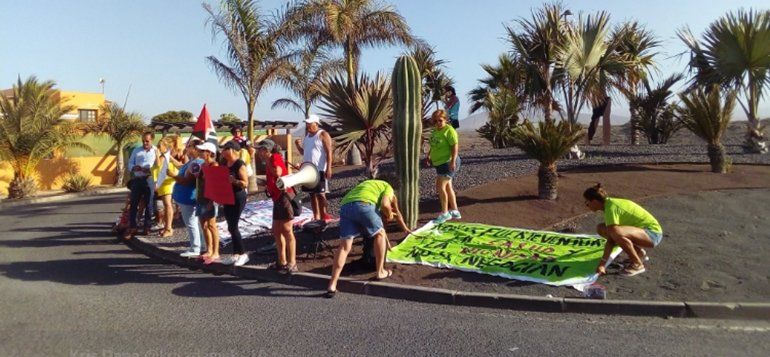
[206, 209]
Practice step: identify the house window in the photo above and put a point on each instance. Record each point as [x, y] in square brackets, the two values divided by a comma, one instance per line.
[87, 114]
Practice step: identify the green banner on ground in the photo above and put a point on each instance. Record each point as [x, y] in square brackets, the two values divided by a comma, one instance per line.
[538, 256]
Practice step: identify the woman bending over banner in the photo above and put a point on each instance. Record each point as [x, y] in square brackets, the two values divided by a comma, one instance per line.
[627, 225]
[363, 211]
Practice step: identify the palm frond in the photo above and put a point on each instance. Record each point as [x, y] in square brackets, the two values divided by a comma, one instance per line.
[547, 142]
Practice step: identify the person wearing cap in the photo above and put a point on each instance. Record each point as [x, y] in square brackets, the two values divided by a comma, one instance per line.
[239, 180]
[184, 196]
[206, 209]
[316, 148]
[283, 212]
[140, 162]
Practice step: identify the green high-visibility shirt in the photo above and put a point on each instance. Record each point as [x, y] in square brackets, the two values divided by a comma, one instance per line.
[441, 142]
[621, 212]
[369, 191]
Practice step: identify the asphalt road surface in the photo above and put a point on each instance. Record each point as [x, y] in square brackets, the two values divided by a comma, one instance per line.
[68, 288]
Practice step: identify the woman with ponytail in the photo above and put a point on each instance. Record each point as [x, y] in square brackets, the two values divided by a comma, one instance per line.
[626, 224]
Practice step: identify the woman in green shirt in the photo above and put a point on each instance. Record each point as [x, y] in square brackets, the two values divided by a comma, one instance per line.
[627, 225]
[365, 210]
[444, 146]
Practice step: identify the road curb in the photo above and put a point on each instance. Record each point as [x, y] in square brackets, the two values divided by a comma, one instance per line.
[5, 203]
[692, 309]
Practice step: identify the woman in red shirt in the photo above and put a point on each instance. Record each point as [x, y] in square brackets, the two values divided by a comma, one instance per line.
[283, 212]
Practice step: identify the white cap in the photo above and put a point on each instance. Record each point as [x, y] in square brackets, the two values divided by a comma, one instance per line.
[207, 146]
[312, 118]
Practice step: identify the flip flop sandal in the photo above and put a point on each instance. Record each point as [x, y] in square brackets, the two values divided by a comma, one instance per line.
[330, 294]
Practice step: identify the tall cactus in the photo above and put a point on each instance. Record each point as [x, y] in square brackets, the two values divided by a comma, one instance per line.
[407, 129]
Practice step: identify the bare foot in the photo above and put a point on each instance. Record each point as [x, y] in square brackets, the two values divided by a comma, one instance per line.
[388, 274]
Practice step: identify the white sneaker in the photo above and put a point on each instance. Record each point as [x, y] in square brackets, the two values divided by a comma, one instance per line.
[189, 254]
[228, 261]
[455, 214]
[242, 260]
[442, 218]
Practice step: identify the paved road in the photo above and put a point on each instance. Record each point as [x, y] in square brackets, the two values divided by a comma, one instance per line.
[66, 288]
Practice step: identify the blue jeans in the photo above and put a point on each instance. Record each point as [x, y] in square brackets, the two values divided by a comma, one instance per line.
[359, 218]
[193, 228]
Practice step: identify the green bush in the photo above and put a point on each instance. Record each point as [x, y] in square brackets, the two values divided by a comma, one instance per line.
[76, 183]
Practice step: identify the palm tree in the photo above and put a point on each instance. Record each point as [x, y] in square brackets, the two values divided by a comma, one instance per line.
[547, 143]
[584, 62]
[636, 45]
[31, 129]
[254, 42]
[351, 25]
[364, 114]
[510, 74]
[503, 109]
[654, 115]
[735, 52]
[706, 116]
[122, 127]
[432, 75]
[536, 46]
[305, 75]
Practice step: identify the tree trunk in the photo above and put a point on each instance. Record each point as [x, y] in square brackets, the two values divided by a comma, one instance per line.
[354, 156]
[120, 170]
[716, 154]
[634, 134]
[253, 187]
[350, 65]
[606, 124]
[547, 181]
[755, 139]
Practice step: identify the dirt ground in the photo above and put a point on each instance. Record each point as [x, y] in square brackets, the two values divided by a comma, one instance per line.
[715, 244]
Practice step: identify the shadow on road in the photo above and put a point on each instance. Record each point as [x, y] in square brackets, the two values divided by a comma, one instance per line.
[122, 266]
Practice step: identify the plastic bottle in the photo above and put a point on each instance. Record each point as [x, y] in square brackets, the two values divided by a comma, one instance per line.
[595, 291]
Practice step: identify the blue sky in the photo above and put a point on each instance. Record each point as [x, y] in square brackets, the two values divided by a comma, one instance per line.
[158, 47]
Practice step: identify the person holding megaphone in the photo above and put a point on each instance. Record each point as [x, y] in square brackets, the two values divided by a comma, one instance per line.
[283, 212]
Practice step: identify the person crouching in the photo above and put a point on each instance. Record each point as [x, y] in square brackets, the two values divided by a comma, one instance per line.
[627, 225]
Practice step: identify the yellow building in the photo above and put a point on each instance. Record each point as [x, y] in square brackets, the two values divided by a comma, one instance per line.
[87, 105]
[99, 165]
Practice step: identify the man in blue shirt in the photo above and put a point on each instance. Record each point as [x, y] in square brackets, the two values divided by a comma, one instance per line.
[140, 162]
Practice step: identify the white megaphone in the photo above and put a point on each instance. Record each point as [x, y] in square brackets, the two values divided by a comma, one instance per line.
[307, 177]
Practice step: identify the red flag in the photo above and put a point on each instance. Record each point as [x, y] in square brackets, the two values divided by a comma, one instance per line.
[204, 129]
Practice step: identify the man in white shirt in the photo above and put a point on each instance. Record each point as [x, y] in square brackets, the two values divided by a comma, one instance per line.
[140, 162]
[316, 148]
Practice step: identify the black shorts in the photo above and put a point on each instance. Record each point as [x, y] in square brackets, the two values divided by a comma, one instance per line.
[323, 185]
[282, 209]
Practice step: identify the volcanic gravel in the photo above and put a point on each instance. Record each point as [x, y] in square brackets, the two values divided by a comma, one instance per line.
[481, 163]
